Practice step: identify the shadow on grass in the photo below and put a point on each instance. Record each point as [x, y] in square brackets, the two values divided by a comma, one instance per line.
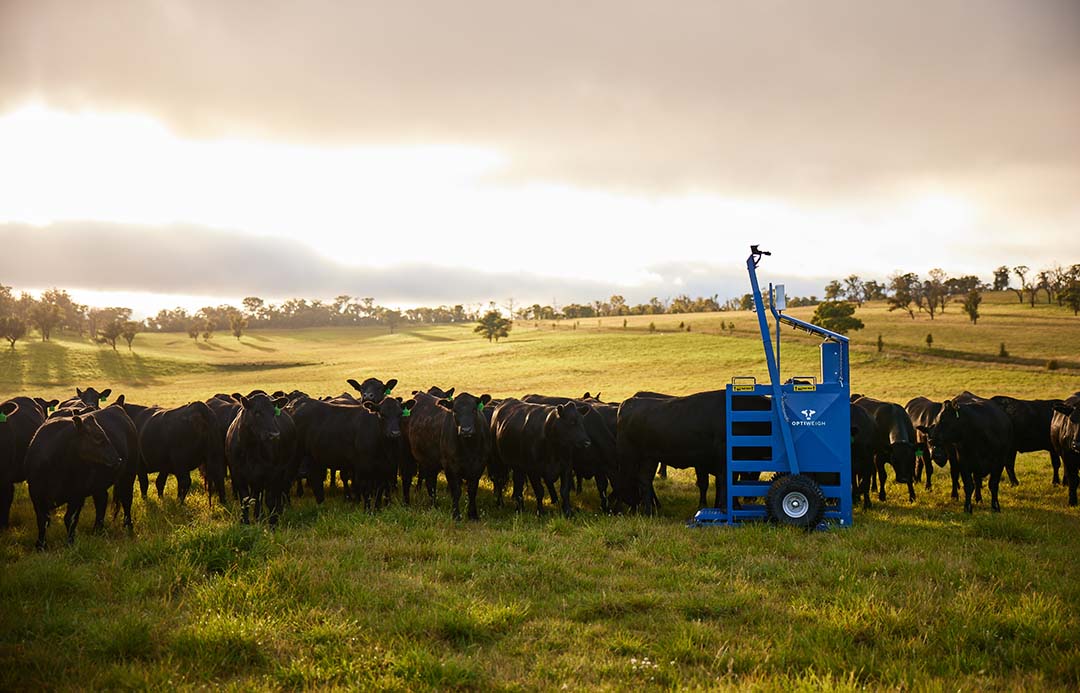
[45, 362]
[428, 337]
[249, 345]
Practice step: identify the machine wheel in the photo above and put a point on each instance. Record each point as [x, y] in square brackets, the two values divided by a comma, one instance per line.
[795, 500]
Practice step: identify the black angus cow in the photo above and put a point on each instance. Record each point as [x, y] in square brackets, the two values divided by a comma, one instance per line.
[598, 461]
[260, 447]
[1065, 438]
[922, 412]
[68, 460]
[176, 441]
[20, 418]
[121, 432]
[364, 439]
[981, 433]
[1031, 420]
[894, 443]
[683, 432]
[451, 435]
[537, 441]
[373, 389]
[863, 437]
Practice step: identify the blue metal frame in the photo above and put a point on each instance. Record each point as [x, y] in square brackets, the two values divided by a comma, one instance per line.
[808, 427]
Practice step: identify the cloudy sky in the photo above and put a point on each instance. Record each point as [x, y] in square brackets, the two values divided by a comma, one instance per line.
[162, 152]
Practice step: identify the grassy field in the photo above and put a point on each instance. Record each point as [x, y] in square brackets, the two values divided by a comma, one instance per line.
[914, 596]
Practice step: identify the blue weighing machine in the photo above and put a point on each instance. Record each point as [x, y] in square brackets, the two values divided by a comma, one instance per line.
[796, 433]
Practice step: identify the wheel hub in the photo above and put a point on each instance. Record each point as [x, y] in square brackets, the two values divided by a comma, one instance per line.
[796, 504]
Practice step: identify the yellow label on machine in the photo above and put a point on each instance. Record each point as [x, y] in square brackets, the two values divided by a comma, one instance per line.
[810, 387]
[742, 388]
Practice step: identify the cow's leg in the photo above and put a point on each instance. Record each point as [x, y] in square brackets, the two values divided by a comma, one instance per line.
[71, 517]
[978, 488]
[315, 483]
[1010, 468]
[183, 485]
[702, 481]
[995, 484]
[517, 493]
[406, 487]
[1055, 462]
[537, 483]
[565, 486]
[7, 496]
[969, 487]
[1072, 476]
[300, 487]
[601, 490]
[159, 483]
[879, 463]
[552, 493]
[954, 472]
[42, 513]
[578, 480]
[873, 476]
[144, 480]
[911, 492]
[472, 485]
[101, 502]
[929, 465]
[662, 473]
[430, 480]
[453, 482]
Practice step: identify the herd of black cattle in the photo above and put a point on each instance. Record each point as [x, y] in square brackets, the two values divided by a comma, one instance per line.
[265, 443]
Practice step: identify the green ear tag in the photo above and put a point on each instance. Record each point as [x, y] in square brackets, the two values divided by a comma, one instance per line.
[406, 413]
[480, 406]
[3, 417]
[103, 398]
[919, 454]
[52, 408]
[387, 393]
[277, 411]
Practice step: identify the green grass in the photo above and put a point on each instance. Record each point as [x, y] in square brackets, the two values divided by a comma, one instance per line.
[915, 596]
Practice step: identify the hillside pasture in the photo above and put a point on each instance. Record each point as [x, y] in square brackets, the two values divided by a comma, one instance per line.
[914, 596]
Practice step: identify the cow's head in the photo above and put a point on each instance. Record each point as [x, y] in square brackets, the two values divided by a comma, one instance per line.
[91, 397]
[47, 405]
[1072, 415]
[92, 444]
[902, 455]
[467, 409]
[373, 389]
[390, 412]
[945, 431]
[588, 397]
[570, 424]
[260, 418]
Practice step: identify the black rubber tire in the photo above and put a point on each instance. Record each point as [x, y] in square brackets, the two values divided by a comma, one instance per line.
[796, 501]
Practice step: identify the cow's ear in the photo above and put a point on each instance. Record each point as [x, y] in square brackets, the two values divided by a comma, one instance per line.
[77, 420]
[244, 401]
[399, 400]
[278, 393]
[450, 393]
[560, 409]
[1064, 409]
[120, 400]
[855, 396]
[371, 407]
[415, 392]
[78, 393]
[280, 402]
[355, 385]
[7, 409]
[446, 404]
[408, 404]
[586, 395]
[923, 429]
[105, 394]
[484, 399]
[236, 396]
[583, 409]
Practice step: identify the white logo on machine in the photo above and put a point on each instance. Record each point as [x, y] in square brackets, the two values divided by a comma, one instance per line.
[809, 419]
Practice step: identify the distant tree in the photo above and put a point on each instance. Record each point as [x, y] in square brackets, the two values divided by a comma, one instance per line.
[1021, 273]
[1001, 279]
[880, 344]
[392, 318]
[618, 304]
[904, 288]
[837, 316]
[929, 340]
[45, 317]
[237, 323]
[129, 329]
[110, 332]
[207, 328]
[493, 326]
[194, 328]
[624, 323]
[1071, 297]
[871, 291]
[853, 289]
[934, 293]
[833, 290]
[1002, 351]
[746, 302]
[971, 305]
[12, 328]
[253, 306]
[652, 327]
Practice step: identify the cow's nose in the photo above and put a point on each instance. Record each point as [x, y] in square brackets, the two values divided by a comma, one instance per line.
[395, 434]
[274, 435]
[586, 444]
[465, 431]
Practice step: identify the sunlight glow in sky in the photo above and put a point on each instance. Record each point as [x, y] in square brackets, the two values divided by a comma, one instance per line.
[374, 206]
